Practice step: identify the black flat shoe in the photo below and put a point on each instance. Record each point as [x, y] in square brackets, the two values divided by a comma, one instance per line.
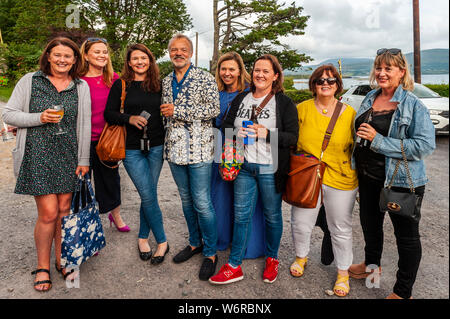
[146, 255]
[186, 253]
[208, 268]
[159, 259]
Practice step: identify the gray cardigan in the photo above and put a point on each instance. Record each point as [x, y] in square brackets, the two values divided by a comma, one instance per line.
[16, 114]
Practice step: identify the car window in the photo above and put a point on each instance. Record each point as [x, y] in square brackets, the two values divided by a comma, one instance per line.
[423, 92]
[362, 90]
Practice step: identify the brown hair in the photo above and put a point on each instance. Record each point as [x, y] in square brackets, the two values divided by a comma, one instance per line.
[277, 85]
[151, 82]
[317, 74]
[244, 77]
[108, 71]
[397, 60]
[44, 64]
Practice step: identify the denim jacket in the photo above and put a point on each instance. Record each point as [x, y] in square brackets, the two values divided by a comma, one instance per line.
[410, 122]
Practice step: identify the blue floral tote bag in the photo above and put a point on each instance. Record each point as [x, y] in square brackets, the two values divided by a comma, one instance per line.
[82, 232]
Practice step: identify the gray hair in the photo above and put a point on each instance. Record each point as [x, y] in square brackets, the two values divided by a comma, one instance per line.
[181, 36]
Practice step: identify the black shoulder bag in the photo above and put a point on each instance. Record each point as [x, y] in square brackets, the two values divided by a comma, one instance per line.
[403, 204]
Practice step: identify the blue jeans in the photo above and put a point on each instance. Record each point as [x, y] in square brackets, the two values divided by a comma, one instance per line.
[253, 179]
[144, 170]
[194, 185]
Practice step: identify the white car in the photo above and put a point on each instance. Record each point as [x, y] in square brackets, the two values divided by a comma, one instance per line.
[436, 104]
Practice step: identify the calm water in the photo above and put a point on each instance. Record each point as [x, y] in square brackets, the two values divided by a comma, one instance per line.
[348, 82]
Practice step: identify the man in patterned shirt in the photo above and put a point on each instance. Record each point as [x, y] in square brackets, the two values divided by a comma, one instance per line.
[190, 103]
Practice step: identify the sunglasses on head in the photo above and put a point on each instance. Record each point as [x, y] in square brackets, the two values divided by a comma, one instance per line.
[96, 39]
[393, 51]
[330, 81]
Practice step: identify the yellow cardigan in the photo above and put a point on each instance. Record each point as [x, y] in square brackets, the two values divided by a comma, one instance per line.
[337, 156]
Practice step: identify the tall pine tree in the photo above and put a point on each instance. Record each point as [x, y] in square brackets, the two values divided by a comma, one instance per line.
[256, 27]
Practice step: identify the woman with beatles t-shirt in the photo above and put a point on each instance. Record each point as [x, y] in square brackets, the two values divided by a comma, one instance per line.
[264, 171]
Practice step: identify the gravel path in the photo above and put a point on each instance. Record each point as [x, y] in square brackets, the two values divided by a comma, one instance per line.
[119, 273]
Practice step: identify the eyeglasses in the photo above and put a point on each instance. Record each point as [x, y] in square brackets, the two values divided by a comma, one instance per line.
[96, 39]
[321, 81]
[393, 51]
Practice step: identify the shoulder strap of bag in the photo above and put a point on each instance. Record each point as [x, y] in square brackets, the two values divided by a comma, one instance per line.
[330, 128]
[263, 103]
[397, 165]
[124, 94]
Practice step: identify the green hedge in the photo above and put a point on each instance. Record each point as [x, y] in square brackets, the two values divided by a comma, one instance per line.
[441, 89]
[299, 96]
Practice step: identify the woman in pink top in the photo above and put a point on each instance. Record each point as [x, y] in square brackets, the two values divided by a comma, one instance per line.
[98, 72]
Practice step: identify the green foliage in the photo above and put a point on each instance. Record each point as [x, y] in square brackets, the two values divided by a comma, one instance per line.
[3, 81]
[21, 59]
[151, 22]
[37, 20]
[165, 67]
[299, 96]
[441, 89]
[288, 83]
[250, 37]
[5, 93]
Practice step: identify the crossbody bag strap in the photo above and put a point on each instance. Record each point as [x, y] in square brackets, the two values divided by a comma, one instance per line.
[330, 128]
[123, 96]
[408, 174]
[263, 104]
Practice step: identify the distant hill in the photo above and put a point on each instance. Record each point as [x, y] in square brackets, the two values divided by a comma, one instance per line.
[434, 61]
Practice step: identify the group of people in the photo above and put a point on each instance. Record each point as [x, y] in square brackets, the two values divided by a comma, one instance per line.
[183, 113]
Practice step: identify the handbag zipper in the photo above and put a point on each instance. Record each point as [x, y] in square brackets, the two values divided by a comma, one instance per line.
[315, 183]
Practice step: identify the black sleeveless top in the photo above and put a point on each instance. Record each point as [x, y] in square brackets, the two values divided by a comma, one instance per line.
[369, 163]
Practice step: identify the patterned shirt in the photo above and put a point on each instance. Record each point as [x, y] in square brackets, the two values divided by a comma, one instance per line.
[189, 136]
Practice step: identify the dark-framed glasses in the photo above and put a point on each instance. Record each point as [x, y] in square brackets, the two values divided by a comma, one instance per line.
[96, 39]
[321, 81]
[393, 51]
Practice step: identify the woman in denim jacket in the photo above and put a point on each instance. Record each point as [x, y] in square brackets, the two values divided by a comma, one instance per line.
[388, 115]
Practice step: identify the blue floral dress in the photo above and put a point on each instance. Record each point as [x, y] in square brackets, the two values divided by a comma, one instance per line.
[50, 160]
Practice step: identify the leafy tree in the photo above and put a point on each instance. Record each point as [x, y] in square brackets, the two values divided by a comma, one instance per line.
[38, 19]
[7, 19]
[255, 27]
[151, 22]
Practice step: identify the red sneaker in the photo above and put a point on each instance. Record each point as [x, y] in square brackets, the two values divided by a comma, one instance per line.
[271, 270]
[227, 275]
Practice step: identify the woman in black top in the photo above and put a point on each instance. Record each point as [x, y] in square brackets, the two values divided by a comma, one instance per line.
[144, 143]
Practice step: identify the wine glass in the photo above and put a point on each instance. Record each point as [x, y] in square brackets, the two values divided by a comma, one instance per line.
[60, 112]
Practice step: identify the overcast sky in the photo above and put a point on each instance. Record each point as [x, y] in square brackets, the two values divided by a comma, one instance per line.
[345, 28]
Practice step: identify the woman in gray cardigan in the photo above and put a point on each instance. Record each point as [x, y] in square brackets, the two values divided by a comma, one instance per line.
[51, 149]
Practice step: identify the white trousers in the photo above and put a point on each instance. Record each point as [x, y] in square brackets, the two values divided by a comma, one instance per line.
[338, 207]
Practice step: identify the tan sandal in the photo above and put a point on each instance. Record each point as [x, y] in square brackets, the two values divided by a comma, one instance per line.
[298, 267]
[358, 271]
[341, 284]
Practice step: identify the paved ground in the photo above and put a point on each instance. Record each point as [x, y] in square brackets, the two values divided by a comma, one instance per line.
[119, 273]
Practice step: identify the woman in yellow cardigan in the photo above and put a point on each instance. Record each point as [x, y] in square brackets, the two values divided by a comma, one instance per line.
[340, 182]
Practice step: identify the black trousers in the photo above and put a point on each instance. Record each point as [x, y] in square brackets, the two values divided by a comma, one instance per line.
[406, 233]
[106, 183]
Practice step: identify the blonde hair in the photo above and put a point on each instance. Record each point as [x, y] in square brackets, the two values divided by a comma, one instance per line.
[244, 78]
[108, 71]
[397, 60]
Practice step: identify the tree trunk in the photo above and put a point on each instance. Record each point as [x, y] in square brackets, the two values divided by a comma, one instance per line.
[215, 57]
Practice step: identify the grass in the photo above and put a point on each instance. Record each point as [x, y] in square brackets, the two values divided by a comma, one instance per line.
[5, 93]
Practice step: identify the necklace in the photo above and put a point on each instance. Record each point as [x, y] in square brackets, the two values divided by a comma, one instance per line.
[323, 109]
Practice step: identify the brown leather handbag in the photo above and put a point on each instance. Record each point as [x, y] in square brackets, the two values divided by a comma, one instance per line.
[305, 176]
[111, 145]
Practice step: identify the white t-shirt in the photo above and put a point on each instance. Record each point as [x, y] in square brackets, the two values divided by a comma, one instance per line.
[259, 152]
